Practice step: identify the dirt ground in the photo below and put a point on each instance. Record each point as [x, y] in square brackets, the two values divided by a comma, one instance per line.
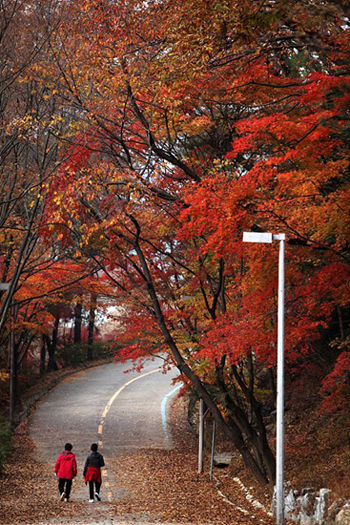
[162, 486]
[151, 486]
[165, 486]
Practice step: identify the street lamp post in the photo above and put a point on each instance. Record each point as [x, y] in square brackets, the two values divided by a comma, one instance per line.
[268, 238]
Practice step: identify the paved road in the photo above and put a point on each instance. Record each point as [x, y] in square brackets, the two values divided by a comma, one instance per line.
[73, 411]
[123, 412]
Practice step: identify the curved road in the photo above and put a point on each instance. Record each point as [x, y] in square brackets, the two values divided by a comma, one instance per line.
[122, 412]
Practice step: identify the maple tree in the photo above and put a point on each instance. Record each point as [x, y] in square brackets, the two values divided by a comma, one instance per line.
[38, 274]
[185, 123]
[219, 117]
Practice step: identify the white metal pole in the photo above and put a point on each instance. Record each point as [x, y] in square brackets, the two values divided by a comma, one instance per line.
[267, 237]
[280, 389]
[201, 436]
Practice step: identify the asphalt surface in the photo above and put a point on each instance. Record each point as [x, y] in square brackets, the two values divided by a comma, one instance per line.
[73, 411]
[121, 412]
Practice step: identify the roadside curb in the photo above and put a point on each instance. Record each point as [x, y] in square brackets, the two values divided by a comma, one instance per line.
[248, 496]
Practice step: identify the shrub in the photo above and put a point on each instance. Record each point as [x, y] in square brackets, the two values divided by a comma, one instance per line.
[75, 354]
[5, 441]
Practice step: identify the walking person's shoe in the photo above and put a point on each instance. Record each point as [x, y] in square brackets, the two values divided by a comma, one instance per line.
[66, 499]
[97, 496]
[91, 501]
[63, 495]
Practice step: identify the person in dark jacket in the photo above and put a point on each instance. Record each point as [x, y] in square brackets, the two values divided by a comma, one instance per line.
[65, 471]
[92, 472]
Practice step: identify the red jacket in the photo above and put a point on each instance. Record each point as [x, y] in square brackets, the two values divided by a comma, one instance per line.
[66, 465]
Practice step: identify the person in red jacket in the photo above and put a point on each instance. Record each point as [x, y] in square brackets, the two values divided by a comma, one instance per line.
[65, 471]
[92, 472]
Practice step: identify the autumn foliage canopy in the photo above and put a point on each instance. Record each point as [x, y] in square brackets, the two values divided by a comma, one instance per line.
[179, 125]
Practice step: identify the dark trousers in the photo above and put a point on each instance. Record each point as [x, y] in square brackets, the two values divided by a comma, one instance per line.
[65, 485]
[91, 487]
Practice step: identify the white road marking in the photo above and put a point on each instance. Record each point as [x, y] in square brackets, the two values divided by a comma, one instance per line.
[163, 410]
[104, 414]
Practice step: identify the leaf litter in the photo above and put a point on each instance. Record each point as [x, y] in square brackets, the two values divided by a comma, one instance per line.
[149, 486]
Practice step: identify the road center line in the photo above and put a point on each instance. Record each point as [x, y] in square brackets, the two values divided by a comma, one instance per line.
[104, 414]
[112, 399]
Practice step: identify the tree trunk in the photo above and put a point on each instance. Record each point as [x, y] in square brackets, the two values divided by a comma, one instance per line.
[272, 384]
[231, 430]
[257, 436]
[52, 345]
[42, 357]
[15, 399]
[341, 323]
[91, 326]
[77, 323]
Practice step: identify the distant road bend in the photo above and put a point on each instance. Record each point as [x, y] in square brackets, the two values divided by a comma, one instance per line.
[122, 412]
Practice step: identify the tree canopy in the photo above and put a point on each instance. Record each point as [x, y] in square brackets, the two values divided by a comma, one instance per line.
[176, 126]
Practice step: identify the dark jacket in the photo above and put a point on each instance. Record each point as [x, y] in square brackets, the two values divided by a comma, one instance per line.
[66, 465]
[95, 459]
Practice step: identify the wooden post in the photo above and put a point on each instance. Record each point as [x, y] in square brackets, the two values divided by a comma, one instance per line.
[201, 436]
[212, 450]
